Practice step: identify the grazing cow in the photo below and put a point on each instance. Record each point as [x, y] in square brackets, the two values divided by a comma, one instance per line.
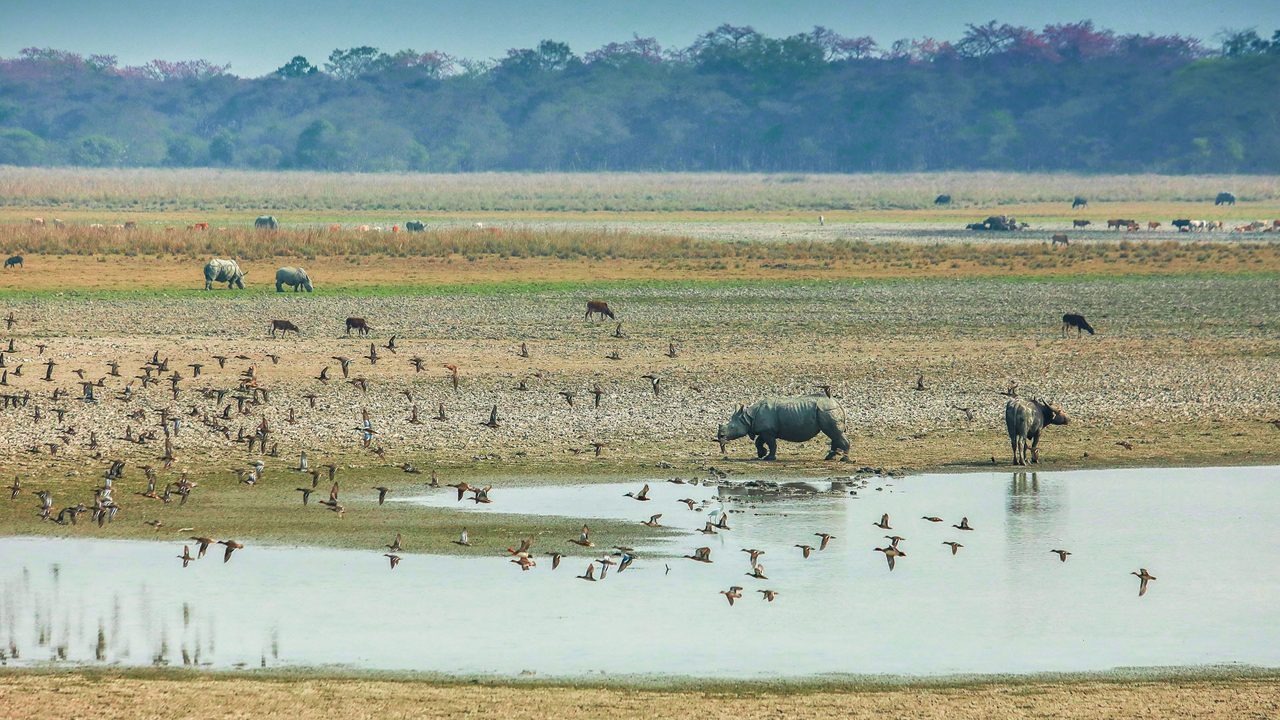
[58, 223]
[1182, 224]
[942, 200]
[1224, 198]
[1153, 225]
[1059, 239]
[284, 326]
[1133, 226]
[1080, 223]
[1117, 223]
[38, 222]
[227, 271]
[359, 325]
[130, 225]
[201, 226]
[1072, 320]
[1079, 202]
[1024, 419]
[415, 226]
[266, 222]
[598, 306]
[15, 261]
[335, 227]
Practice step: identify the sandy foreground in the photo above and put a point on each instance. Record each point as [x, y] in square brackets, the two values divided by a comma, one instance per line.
[75, 695]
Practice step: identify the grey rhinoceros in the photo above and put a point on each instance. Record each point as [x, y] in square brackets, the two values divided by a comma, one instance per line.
[795, 419]
[294, 277]
[227, 271]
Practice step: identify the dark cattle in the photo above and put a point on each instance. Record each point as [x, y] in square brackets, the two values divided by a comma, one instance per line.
[1072, 320]
[1079, 223]
[15, 261]
[1120, 223]
[266, 222]
[598, 306]
[1224, 198]
[414, 226]
[1079, 202]
[284, 326]
[942, 200]
[359, 325]
[1182, 224]
[1025, 419]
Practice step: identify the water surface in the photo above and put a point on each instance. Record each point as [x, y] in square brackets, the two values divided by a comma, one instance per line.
[1004, 604]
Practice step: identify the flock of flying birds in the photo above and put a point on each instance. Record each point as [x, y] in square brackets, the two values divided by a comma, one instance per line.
[250, 393]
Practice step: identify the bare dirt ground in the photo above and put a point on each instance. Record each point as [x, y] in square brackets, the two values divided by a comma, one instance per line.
[42, 696]
[1182, 370]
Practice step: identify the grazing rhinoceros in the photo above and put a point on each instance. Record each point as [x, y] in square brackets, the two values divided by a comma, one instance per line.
[795, 419]
[294, 277]
[227, 271]
[1024, 420]
[266, 222]
[415, 226]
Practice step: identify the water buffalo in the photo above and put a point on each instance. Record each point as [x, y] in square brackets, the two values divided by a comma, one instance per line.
[1224, 198]
[1072, 320]
[294, 277]
[227, 271]
[284, 326]
[1025, 419]
[415, 226]
[266, 222]
[359, 325]
[1079, 202]
[794, 419]
[598, 306]
[15, 261]
[942, 200]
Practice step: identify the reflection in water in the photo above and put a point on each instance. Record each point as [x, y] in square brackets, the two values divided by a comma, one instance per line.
[112, 602]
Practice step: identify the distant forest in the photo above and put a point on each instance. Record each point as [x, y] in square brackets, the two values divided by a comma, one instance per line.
[1067, 97]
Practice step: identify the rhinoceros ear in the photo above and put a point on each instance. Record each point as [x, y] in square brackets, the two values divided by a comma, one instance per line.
[742, 409]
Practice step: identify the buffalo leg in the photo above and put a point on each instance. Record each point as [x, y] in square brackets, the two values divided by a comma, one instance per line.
[1035, 453]
[1013, 440]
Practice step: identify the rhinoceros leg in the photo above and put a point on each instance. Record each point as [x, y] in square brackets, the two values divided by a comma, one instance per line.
[839, 444]
[767, 447]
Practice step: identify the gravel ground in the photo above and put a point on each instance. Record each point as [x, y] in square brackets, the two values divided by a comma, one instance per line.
[1172, 355]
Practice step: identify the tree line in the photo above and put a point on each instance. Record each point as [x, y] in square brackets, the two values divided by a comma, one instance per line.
[1002, 97]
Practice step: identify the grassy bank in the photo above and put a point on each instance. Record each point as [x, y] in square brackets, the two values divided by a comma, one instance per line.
[1195, 694]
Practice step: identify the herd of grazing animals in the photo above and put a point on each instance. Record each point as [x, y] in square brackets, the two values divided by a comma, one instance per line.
[1025, 419]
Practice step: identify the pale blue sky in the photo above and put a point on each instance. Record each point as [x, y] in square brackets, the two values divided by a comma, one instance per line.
[257, 36]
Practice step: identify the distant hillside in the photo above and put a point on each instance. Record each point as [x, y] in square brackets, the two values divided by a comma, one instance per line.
[1068, 97]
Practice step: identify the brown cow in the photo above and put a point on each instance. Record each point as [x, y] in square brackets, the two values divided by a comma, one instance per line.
[130, 225]
[1118, 223]
[38, 222]
[284, 326]
[1153, 225]
[201, 226]
[1079, 223]
[598, 306]
[359, 325]
[1059, 239]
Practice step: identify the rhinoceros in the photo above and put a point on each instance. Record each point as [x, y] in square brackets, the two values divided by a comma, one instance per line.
[795, 419]
[227, 271]
[294, 277]
[266, 222]
[1024, 420]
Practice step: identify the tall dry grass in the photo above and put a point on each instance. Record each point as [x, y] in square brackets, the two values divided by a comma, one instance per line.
[449, 242]
[214, 191]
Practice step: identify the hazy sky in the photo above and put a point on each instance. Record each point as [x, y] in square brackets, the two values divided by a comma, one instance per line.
[257, 36]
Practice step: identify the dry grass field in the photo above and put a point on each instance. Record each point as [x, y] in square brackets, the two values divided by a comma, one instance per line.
[180, 696]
